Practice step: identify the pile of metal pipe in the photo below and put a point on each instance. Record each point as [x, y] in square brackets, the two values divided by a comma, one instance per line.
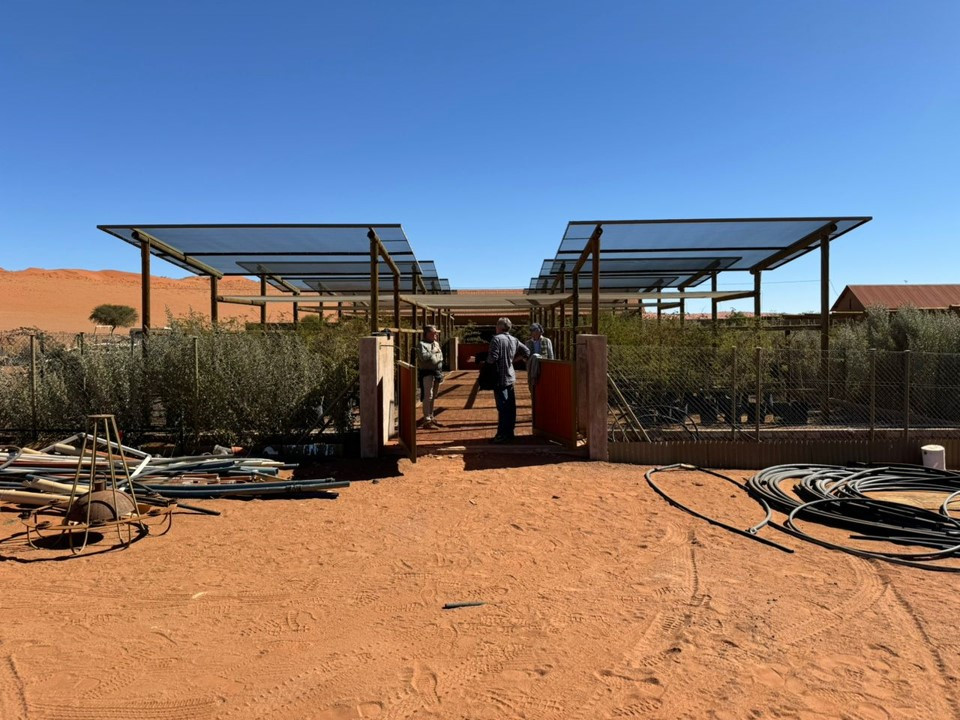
[44, 476]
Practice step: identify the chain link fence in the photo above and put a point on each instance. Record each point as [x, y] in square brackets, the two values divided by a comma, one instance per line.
[668, 393]
[225, 387]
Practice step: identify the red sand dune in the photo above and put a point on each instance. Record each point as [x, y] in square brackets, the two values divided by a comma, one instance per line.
[61, 300]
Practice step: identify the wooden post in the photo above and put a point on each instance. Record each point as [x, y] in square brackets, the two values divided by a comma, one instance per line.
[756, 297]
[595, 296]
[396, 300]
[263, 305]
[214, 305]
[825, 322]
[575, 320]
[144, 285]
[714, 314]
[374, 282]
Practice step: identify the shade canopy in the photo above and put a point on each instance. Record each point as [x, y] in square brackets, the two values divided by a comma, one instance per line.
[643, 255]
[328, 258]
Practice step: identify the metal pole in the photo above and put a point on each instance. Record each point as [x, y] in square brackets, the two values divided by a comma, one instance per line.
[413, 308]
[33, 386]
[144, 285]
[214, 305]
[296, 312]
[906, 394]
[759, 392]
[683, 308]
[196, 370]
[734, 404]
[80, 343]
[873, 395]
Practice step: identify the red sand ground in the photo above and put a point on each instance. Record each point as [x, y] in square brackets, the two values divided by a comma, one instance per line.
[601, 602]
[61, 300]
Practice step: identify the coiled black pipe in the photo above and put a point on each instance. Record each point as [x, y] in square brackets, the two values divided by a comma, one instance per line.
[837, 496]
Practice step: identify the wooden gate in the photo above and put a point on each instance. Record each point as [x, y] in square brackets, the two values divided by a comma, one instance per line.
[407, 408]
[555, 402]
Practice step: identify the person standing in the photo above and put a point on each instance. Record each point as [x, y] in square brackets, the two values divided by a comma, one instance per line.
[504, 349]
[430, 370]
[538, 344]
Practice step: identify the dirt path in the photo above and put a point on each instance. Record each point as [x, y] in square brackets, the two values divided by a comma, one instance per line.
[601, 602]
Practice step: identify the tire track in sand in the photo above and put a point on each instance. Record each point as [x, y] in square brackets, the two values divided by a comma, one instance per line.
[915, 626]
[867, 591]
[13, 697]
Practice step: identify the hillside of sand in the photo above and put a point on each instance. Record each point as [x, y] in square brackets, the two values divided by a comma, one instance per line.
[61, 300]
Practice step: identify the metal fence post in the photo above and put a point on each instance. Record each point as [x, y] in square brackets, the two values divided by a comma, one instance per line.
[734, 399]
[33, 386]
[196, 369]
[873, 395]
[906, 394]
[80, 343]
[759, 393]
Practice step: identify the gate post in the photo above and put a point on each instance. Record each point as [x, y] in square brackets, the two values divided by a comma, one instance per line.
[377, 410]
[592, 393]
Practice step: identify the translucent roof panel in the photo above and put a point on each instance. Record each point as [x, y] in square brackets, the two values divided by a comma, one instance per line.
[219, 246]
[313, 268]
[757, 241]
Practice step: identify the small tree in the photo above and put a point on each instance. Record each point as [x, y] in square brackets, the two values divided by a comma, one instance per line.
[114, 315]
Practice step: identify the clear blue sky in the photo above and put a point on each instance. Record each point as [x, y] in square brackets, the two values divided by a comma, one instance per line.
[484, 127]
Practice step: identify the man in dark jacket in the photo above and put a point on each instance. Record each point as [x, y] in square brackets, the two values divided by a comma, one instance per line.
[504, 349]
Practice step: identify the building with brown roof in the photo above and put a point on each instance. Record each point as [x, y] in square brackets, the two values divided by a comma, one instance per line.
[857, 298]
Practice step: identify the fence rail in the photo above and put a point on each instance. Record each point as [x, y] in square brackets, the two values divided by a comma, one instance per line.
[782, 395]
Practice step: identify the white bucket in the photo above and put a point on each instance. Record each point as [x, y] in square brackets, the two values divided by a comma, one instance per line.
[934, 456]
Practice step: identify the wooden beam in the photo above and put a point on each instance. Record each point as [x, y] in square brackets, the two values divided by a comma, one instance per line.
[822, 234]
[140, 236]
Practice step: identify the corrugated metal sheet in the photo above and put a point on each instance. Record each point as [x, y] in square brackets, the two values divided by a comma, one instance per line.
[856, 298]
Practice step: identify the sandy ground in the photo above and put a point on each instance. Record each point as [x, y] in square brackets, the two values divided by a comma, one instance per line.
[601, 601]
[61, 300]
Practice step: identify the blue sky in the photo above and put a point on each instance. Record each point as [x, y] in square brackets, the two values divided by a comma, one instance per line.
[484, 127]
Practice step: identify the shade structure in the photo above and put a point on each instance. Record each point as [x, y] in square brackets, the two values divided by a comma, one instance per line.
[648, 254]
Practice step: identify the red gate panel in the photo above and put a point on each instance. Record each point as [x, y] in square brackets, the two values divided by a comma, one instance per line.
[555, 402]
[407, 408]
